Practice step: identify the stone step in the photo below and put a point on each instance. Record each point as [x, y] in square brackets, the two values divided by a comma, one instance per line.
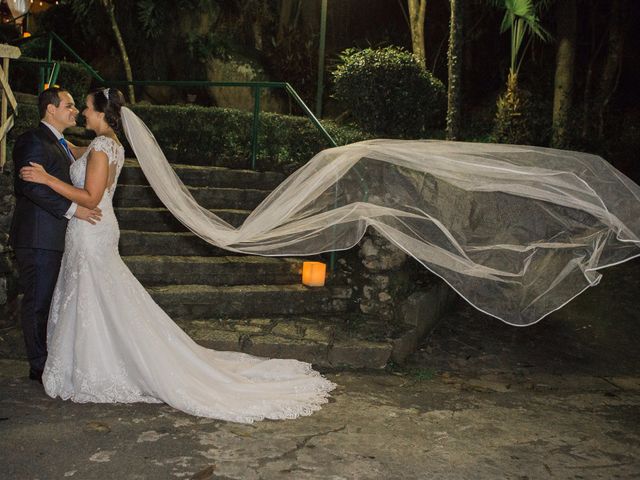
[134, 242]
[144, 196]
[325, 341]
[228, 270]
[328, 341]
[198, 176]
[161, 220]
[206, 301]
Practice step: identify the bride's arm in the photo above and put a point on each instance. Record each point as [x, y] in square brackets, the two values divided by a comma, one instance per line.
[94, 185]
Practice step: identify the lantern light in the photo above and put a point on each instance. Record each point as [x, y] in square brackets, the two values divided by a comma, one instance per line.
[313, 274]
[26, 34]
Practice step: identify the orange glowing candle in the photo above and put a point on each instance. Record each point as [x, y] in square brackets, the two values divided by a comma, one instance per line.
[314, 274]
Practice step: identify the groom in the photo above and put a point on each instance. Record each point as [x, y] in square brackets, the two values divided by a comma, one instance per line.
[40, 218]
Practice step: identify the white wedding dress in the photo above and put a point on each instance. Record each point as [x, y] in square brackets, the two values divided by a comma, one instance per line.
[109, 342]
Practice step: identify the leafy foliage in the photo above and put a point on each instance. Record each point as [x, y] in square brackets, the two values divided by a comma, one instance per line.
[153, 17]
[201, 47]
[286, 142]
[521, 20]
[24, 77]
[388, 92]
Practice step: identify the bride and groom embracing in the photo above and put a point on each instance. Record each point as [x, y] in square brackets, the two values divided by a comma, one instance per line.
[518, 231]
[92, 332]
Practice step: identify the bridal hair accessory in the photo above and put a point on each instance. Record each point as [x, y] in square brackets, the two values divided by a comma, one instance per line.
[105, 92]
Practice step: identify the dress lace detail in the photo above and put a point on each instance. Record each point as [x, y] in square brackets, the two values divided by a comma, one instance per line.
[109, 342]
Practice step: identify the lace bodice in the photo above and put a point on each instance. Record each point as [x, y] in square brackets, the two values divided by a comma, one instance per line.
[115, 154]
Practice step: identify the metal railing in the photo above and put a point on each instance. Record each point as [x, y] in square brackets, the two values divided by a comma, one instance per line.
[256, 88]
[50, 70]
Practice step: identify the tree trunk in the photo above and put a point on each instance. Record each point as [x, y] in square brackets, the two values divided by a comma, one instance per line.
[110, 8]
[613, 63]
[587, 99]
[284, 21]
[455, 70]
[566, 14]
[417, 11]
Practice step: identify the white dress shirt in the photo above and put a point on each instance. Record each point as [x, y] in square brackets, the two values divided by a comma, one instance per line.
[74, 206]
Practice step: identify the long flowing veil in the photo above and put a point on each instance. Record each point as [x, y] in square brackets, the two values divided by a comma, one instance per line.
[518, 231]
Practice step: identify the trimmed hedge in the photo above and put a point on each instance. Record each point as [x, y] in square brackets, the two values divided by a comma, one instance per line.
[28, 117]
[388, 92]
[221, 136]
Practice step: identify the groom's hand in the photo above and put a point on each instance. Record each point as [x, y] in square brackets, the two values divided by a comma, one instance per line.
[91, 216]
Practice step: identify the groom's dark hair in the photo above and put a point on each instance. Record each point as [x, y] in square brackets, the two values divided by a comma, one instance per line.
[50, 96]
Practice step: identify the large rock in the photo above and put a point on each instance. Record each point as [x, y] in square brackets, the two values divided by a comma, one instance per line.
[240, 69]
[421, 311]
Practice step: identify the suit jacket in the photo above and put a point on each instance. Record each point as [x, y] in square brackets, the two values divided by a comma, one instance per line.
[38, 219]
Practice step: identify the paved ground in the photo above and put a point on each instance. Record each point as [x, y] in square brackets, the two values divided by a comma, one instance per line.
[481, 400]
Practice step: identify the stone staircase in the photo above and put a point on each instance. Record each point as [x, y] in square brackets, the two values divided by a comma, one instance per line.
[237, 302]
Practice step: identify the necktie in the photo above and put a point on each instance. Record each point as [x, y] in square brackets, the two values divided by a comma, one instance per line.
[65, 145]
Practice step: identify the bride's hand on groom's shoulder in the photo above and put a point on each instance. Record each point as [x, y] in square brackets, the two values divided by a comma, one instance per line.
[91, 216]
[35, 173]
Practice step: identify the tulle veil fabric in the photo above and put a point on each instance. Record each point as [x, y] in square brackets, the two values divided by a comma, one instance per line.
[517, 231]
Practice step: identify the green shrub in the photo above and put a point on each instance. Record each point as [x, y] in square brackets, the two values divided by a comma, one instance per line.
[388, 92]
[222, 136]
[218, 136]
[523, 113]
[25, 76]
[27, 118]
[522, 119]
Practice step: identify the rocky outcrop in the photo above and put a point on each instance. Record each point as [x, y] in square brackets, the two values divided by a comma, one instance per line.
[237, 68]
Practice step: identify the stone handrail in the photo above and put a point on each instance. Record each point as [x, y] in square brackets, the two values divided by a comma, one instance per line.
[7, 52]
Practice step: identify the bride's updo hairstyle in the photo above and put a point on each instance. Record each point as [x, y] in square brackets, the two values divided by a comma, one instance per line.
[109, 101]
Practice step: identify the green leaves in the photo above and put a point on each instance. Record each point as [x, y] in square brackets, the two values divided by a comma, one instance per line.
[388, 92]
[81, 9]
[73, 77]
[521, 18]
[285, 142]
[152, 14]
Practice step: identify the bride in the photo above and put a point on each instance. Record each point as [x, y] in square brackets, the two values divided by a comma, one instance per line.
[109, 342]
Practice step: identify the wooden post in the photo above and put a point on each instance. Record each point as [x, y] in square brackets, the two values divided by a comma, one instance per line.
[3, 114]
[7, 52]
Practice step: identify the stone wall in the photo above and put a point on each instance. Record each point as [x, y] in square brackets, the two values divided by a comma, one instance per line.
[398, 294]
[8, 276]
[385, 278]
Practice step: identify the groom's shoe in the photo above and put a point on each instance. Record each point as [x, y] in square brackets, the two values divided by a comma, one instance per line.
[37, 376]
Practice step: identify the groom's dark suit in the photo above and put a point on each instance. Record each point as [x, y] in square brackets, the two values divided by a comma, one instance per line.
[37, 235]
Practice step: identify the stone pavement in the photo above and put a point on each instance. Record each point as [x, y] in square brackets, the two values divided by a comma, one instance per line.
[480, 400]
